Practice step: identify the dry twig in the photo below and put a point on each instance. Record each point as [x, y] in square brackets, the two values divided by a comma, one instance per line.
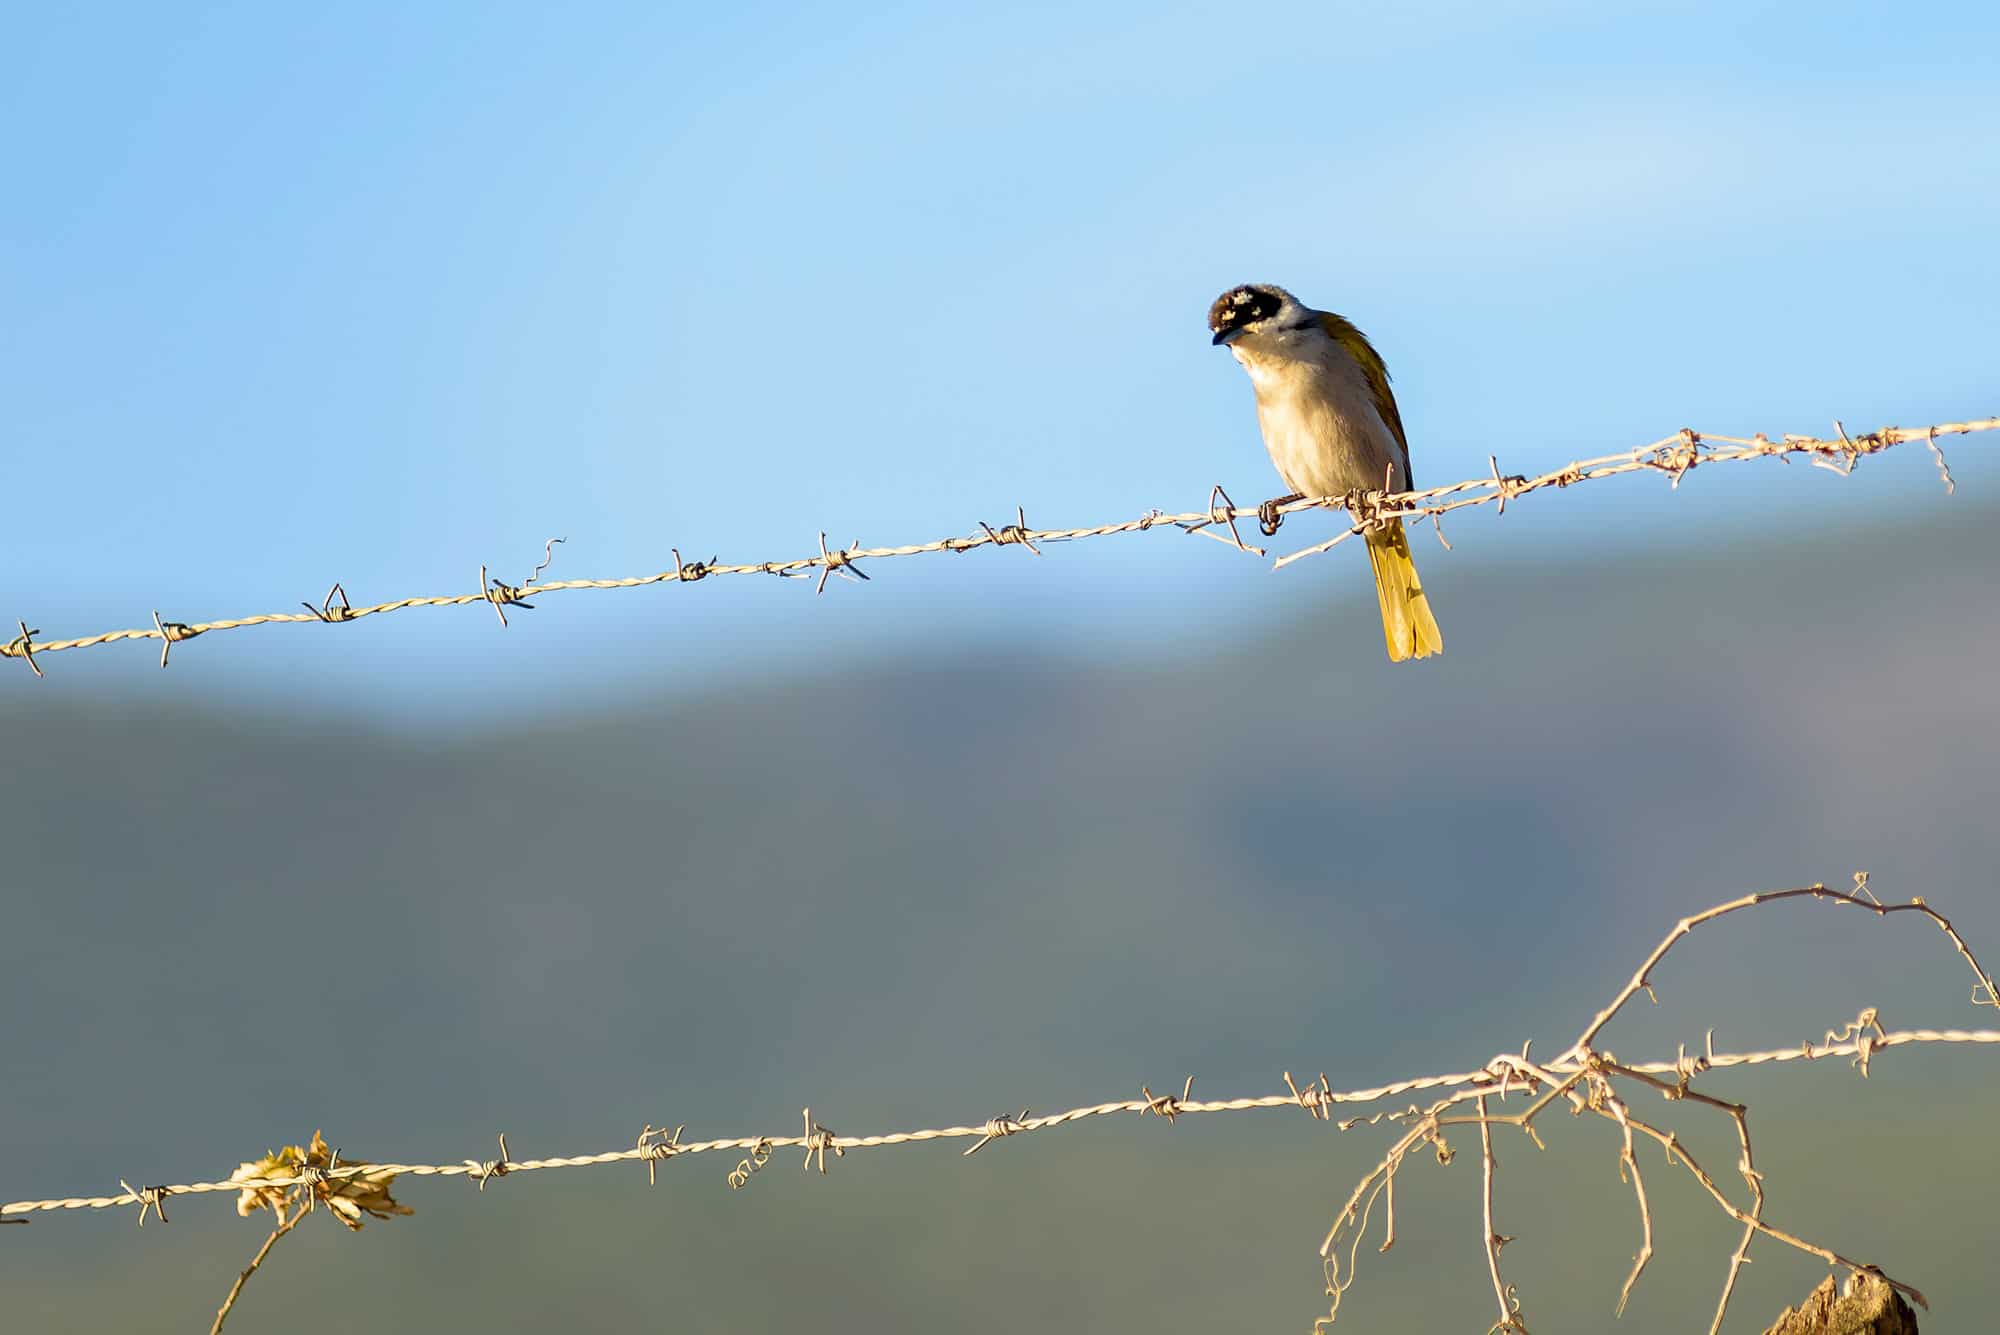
[1585, 1079]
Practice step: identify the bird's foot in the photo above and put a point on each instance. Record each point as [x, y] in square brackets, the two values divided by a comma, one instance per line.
[1268, 517]
[1362, 506]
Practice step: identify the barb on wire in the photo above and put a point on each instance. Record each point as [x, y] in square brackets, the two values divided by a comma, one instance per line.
[692, 571]
[501, 594]
[1224, 512]
[1016, 532]
[23, 646]
[1166, 1105]
[481, 1170]
[1674, 456]
[1585, 1080]
[839, 562]
[327, 612]
[1505, 487]
[171, 633]
[817, 1141]
[1313, 1098]
[146, 1198]
[998, 1128]
[655, 1145]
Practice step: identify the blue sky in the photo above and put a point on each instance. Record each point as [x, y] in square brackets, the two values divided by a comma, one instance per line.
[380, 293]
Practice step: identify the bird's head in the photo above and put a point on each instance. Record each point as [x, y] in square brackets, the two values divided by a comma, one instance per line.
[1253, 308]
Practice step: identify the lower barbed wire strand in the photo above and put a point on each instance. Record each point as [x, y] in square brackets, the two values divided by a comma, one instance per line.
[1287, 1100]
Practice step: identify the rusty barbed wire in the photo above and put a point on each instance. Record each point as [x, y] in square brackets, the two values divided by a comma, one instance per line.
[1675, 456]
[1583, 1079]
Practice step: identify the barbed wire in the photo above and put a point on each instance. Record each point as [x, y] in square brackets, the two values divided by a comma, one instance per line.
[1310, 1097]
[1583, 1078]
[1675, 456]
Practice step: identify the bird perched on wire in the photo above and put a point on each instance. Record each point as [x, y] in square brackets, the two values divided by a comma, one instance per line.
[1331, 425]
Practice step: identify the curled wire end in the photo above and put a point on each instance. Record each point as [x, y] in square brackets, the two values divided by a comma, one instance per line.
[760, 1154]
[548, 559]
[1944, 469]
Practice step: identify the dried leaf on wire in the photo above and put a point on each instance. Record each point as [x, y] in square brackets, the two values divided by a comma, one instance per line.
[353, 1196]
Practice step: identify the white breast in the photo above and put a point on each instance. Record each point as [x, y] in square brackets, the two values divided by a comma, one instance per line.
[1319, 419]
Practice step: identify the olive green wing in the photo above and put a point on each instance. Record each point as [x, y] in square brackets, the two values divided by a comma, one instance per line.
[1343, 332]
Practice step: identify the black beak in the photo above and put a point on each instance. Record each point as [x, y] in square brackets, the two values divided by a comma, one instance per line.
[1223, 336]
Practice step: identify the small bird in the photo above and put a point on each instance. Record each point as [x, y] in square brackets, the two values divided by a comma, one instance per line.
[1331, 425]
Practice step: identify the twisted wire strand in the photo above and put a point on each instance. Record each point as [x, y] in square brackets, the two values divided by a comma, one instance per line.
[1166, 1106]
[1674, 455]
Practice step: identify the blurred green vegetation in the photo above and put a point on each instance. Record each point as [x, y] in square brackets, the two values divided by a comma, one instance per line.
[933, 891]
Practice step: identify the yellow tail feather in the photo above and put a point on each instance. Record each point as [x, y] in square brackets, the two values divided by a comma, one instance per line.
[1407, 625]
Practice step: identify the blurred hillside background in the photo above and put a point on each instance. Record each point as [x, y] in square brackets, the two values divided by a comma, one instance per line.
[378, 296]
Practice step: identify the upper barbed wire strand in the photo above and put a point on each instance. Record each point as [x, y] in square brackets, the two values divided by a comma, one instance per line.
[1674, 455]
